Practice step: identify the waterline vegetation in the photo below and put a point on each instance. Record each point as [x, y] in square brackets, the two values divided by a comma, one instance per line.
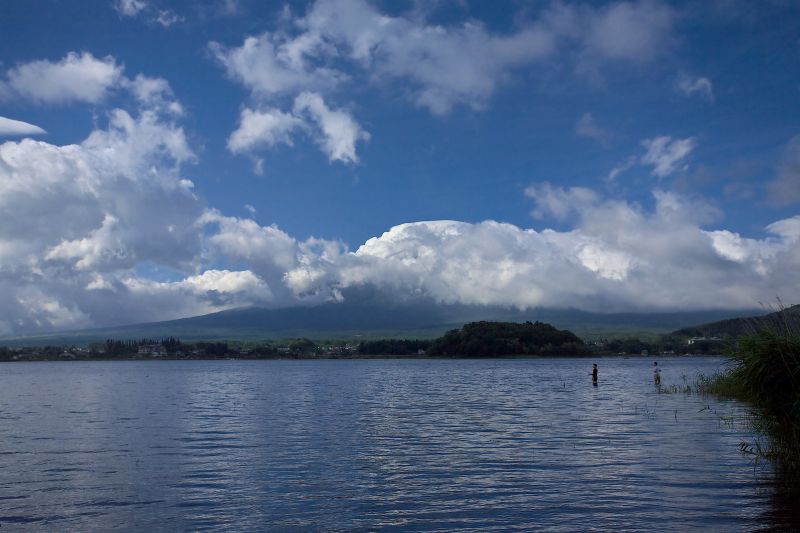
[765, 374]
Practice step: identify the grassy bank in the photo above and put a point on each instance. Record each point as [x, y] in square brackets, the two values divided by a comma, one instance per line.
[766, 374]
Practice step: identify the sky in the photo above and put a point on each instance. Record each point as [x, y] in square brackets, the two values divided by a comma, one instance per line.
[163, 159]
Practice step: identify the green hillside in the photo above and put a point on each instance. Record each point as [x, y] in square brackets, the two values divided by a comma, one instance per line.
[490, 339]
[738, 327]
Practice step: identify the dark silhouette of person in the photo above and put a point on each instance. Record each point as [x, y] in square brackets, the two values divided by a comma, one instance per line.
[594, 374]
[656, 373]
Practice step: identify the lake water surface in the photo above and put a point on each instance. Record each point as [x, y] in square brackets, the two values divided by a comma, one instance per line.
[523, 444]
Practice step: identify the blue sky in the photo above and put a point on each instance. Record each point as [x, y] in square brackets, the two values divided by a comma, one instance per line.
[561, 154]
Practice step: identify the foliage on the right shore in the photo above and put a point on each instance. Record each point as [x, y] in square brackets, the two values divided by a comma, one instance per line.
[766, 373]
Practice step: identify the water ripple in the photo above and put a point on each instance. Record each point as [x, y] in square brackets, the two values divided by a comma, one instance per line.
[372, 445]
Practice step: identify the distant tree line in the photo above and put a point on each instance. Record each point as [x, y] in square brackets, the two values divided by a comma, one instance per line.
[664, 344]
[121, 349]
[394, 347]
[477, 339]
[174, 348]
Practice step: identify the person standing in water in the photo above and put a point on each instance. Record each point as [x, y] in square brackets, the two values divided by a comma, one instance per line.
[656, 373]
[594, 374]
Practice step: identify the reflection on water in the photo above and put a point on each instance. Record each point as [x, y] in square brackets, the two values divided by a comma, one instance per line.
[366, 445]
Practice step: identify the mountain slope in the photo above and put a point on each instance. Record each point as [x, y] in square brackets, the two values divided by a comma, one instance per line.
[376, 320]
[736, 327]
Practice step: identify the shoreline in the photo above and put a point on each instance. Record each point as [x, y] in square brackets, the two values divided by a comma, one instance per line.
[35, 359]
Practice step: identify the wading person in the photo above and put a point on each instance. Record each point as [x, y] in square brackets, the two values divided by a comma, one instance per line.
[594, 374]
[656, 373]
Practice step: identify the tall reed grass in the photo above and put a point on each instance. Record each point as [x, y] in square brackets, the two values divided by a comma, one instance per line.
[766, 374]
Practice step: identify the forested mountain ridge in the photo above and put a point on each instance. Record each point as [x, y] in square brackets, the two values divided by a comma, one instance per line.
[737, 327]
[377, 320]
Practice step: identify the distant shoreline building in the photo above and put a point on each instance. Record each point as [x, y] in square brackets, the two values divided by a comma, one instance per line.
[703, 339]
[153, 350]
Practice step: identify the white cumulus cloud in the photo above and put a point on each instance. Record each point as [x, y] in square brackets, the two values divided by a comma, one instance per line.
[587, 127]
[335, 130]
[268, 128]
[339, 131]
[218, 284]
[559, 202]
[446, 65]
[80, 221]
[75, 78]
[694, 85]
[167, 17]
[439, 66]
[84, 78]
[665, 154]
[129, 8]
[616, 257]
[153, 93]
[13, 128]
[271, 65]
[631, 31]
[784, 189]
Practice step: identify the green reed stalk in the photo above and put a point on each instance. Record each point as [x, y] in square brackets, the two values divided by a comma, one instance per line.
[766, 374]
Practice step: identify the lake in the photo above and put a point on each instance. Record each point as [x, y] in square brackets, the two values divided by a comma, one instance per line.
[503, 444]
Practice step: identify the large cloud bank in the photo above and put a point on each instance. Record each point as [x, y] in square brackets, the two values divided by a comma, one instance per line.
[110, 231]
[618, 257]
